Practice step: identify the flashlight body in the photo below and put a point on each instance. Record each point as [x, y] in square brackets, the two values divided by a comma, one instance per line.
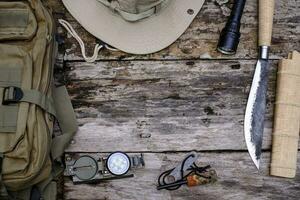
[230, 35]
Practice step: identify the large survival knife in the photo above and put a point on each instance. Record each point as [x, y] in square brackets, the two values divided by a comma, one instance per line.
[256, 106]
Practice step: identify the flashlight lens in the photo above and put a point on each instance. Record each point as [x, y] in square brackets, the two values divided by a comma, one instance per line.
[118, 163]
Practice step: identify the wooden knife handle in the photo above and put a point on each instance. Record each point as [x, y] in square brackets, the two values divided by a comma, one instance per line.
[266, 12]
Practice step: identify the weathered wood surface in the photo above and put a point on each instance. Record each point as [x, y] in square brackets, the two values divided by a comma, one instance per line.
[186, 97]
[163, 106]
[237, 179]
[200, 40]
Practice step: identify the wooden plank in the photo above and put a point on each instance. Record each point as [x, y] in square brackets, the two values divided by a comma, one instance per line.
[238, 179]
[158, 106]
[200, 40]
[163, 106]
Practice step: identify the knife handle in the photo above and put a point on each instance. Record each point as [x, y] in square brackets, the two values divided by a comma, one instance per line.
[266, 12]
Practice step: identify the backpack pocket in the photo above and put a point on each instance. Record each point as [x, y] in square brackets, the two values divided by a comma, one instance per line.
[15, 73]
[17, 21]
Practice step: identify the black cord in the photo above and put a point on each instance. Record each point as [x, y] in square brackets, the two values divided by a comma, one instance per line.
[193, 169]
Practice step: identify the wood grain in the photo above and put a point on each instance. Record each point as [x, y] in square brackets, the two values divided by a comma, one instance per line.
[200, 40]
[163, 105]
[238, 179]
[185, 97]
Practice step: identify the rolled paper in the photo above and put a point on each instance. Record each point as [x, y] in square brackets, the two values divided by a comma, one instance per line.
[286, 118]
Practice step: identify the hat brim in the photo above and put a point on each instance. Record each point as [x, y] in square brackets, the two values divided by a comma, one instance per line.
[142, 37]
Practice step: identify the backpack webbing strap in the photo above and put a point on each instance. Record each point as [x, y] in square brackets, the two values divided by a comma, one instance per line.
[67, 121]
[12, 94]
[38, 98]
[3, 191]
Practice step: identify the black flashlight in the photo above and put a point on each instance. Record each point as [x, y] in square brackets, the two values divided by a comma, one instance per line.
[230, 35]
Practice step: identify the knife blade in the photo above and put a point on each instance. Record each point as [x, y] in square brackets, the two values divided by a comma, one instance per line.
[256, 105]
[255, 111]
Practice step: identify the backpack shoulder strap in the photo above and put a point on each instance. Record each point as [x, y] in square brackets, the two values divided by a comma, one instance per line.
[12, 94]
[66, 119]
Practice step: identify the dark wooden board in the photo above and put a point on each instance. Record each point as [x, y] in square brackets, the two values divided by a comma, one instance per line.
[238, 179]
[200, 39]
[163, 105]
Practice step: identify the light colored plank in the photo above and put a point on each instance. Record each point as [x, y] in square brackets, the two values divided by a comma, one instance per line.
[163, 106]
[238, 179]
[200, 40]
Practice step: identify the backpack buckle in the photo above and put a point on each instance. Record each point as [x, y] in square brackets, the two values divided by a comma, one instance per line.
[12, 94]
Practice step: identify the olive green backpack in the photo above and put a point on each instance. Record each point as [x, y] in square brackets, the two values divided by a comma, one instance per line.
[29, 103]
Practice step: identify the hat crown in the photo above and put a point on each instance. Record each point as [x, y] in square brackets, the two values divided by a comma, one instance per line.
[137, 6]
[135, 10]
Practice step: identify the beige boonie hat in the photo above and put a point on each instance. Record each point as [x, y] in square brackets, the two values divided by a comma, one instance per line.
[135, 26]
